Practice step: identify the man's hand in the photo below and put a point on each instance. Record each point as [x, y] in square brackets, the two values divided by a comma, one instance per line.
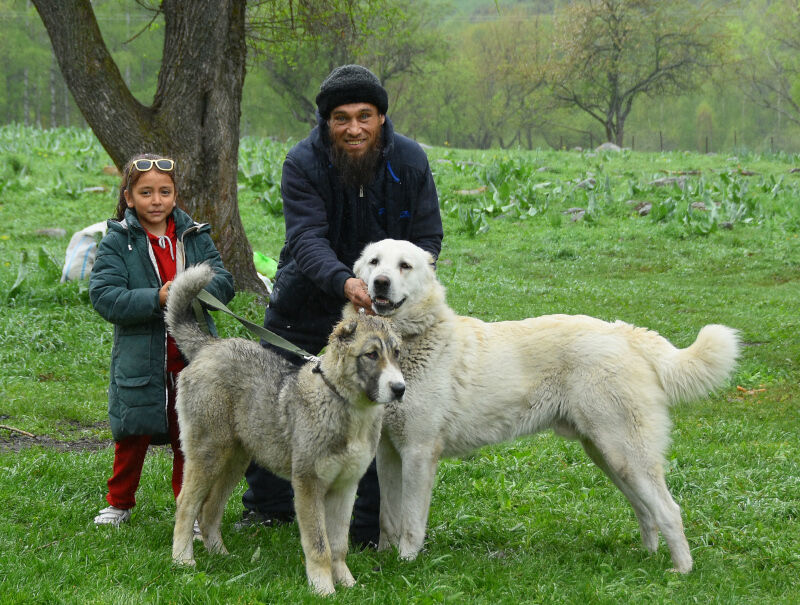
[355, 290]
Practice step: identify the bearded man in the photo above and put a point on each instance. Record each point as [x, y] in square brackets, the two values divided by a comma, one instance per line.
[351, 182]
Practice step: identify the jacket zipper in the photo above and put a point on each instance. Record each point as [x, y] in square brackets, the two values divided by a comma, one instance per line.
[167, 376]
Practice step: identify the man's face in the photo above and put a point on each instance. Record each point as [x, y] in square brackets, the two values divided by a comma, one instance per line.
[355, 128]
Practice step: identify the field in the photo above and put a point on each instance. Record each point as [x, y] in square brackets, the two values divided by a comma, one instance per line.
[669, 241]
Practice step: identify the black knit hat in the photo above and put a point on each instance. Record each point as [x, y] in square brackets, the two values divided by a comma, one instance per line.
[351, 84]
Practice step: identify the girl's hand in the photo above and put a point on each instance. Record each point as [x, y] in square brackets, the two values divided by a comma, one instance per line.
[162, 293]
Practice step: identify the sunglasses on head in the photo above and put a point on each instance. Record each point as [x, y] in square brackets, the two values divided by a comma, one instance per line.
[163, 164]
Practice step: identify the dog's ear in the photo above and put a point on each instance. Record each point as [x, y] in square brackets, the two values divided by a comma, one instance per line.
[360, 265]
[345, 330]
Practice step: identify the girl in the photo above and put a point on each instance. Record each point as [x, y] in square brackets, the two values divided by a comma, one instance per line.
[148, 242]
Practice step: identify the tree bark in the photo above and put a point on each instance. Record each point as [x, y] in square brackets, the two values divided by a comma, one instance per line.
[195, 113]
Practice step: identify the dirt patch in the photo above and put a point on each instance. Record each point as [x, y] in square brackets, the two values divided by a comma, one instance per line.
[14, 439]
[15, 442]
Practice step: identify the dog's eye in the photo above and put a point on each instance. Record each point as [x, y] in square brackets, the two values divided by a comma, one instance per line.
[397, 352]
[405, 265]
[373, 355]
[374, 261]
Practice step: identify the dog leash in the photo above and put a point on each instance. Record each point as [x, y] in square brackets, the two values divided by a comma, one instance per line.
[214, 303]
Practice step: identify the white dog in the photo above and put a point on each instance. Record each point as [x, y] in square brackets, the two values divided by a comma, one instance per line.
[471, 383]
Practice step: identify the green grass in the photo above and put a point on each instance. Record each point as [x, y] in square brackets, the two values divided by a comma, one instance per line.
[532, 521]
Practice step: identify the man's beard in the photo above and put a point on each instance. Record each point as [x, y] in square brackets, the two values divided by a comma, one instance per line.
[358, 170]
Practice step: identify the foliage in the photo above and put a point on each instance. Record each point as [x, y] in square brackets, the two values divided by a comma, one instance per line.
[771, 57]
[711, 196]
[391, 37]
[461, 86]
[609, 52]
[492, 87]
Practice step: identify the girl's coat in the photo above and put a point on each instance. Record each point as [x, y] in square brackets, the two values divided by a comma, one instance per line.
[123, 288]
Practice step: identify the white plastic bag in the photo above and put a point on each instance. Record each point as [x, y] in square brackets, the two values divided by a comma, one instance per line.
[81, 252]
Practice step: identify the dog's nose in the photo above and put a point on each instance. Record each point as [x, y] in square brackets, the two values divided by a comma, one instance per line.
[398, 388]
[381, 283]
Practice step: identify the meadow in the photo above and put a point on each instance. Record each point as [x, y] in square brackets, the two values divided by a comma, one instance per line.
[669, 241]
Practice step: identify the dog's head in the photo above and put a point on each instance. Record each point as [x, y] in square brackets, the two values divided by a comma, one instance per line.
[365, 351]
[399, 276]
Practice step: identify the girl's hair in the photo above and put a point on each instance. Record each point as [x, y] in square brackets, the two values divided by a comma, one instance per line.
[130, 175]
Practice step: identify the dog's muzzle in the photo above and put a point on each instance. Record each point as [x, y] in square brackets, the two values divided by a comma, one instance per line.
[384, 306]
[382, 303]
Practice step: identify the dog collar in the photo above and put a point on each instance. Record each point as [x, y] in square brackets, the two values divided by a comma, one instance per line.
[317, 369]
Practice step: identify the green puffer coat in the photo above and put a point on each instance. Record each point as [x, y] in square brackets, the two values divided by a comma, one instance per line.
[123, 288]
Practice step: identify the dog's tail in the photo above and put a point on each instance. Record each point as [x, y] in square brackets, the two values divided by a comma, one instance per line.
[180, 318]
[705, 365]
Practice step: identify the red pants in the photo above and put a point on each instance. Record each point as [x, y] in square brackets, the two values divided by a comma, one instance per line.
[129, 458]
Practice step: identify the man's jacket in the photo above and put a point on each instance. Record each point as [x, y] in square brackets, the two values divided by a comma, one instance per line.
[328, 224]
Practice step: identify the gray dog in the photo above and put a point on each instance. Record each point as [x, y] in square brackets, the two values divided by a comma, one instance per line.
[317, 426]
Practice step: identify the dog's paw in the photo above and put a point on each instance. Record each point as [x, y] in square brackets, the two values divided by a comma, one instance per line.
[184, 562]
[409, 549]
[342, 575]
[408, 555]
[683, 569]
[384, 543]
[217, 548]
[322, 586]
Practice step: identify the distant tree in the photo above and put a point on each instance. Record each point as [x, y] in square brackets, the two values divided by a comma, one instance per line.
[392, 37]
[488, 91]
[610, 52]
[772, 59]
[508, 58]
[25, 83]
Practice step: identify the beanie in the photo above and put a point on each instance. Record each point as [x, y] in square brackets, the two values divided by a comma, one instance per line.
[351, 84]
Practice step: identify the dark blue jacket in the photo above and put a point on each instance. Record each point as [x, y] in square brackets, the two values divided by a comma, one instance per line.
[328, 224]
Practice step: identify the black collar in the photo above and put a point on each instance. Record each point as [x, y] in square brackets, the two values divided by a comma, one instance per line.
[317, 369]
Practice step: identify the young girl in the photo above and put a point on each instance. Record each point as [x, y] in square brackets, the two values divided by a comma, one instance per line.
[146, 245]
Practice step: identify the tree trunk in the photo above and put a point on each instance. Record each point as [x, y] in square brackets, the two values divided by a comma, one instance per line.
[25, 111]
[53, 96]
[195, 113]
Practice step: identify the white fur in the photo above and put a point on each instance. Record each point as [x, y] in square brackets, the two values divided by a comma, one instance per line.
[471, 383]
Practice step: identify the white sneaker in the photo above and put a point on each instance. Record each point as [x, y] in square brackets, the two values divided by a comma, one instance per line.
[113, 516]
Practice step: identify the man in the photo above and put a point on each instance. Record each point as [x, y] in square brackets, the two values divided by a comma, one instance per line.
[352, 181]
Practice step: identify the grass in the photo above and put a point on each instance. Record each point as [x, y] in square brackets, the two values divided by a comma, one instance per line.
[531, 521]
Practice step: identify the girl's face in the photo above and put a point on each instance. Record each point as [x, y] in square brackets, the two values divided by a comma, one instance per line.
[153, 198]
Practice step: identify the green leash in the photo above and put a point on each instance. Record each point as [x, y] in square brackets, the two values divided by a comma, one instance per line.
[214, 303]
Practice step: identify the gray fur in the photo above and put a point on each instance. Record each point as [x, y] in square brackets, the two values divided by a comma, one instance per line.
[237, 401]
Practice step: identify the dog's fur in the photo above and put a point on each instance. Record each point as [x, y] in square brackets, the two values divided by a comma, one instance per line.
[472, 383]
[318, 426]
